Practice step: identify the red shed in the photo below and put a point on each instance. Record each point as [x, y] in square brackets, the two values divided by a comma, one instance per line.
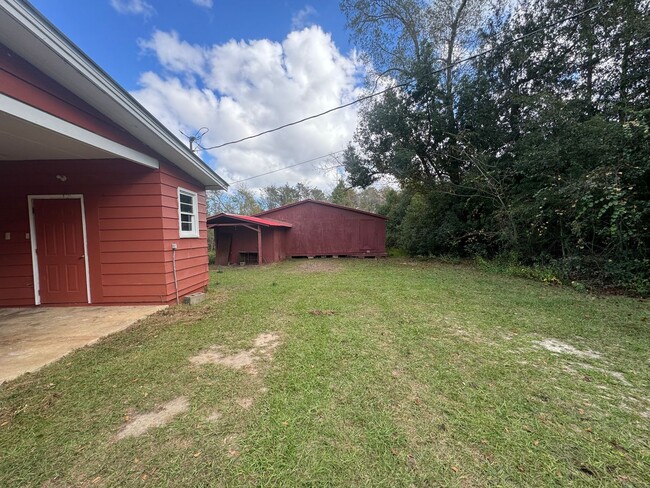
[100, 203]
[304, 229]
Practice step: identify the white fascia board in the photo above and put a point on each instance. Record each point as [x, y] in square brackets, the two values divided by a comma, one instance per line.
[76, 71]
[47, 121]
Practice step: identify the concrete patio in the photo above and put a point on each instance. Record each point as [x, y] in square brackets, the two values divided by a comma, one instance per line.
[30, 338]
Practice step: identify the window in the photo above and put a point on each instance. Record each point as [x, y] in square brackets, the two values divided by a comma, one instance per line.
[188, 213]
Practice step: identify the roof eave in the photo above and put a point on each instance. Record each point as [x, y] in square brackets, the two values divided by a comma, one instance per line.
[248, 220]
[327, 204]
[72, 66]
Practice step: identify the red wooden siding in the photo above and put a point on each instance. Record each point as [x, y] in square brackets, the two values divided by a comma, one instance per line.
[191, 253]
[131, 222]
[326, 230]
[22, 81]
[16, 279]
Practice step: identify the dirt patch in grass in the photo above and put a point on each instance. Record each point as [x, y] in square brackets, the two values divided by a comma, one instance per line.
[214, 416]
[614, 374]
[231, 444]
[560, 347]
[266, 342]
[318, 266]
[142, 423]
[215, 355]
[640, 406]
[245, 403]
[473, 337]
[247, 360]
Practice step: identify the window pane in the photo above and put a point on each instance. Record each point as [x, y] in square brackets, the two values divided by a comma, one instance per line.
[187, 212]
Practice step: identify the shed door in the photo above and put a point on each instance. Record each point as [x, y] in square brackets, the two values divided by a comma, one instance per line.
[367, 235]
[60, 251]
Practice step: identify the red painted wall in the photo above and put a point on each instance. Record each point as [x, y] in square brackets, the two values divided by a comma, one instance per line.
[191, 253]
[323, 230]
[131, 221]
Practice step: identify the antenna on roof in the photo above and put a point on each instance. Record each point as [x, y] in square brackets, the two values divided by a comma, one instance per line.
[196, 138]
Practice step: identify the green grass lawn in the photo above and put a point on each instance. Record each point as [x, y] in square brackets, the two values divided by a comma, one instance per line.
[386, 373]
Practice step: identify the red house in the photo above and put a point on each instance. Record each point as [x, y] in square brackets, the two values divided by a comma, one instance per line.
[304, 229]
[100, 203]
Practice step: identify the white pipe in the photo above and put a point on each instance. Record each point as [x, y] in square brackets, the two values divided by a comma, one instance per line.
[174, 268]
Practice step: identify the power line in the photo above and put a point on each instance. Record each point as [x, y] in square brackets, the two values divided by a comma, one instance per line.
[405, 84]
[353, 102]
[288, 167]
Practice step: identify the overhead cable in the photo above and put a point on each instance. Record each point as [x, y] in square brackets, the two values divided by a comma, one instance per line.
[407, 83]
[288, 167]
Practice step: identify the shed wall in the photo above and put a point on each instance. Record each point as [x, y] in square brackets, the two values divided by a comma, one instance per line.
[321, 230]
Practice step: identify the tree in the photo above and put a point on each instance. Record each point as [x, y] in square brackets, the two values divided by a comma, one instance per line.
[411, 132]
[238, 200]
[343, 195]
[277, 196]
[537, 149]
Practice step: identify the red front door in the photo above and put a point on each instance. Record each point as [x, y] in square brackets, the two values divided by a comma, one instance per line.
[60, 251]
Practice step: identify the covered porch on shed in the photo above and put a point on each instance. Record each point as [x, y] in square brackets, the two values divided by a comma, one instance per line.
[249, 240]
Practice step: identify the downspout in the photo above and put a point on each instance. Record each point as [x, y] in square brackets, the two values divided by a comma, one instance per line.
[174, 268]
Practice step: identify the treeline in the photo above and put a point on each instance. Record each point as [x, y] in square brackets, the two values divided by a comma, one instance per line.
[538, 150]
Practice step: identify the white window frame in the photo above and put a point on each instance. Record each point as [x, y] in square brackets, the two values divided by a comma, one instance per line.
[194, 233]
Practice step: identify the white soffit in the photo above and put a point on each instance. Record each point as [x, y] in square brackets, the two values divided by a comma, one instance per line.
[71, 133]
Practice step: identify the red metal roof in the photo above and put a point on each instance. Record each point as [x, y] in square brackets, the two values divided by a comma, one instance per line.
[318, 202]
[214, 220]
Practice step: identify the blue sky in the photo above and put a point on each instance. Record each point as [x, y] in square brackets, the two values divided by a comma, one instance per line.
[236, 67]
[111, 38]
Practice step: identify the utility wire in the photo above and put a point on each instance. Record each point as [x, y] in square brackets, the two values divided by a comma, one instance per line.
[405, 84]
[287, 167]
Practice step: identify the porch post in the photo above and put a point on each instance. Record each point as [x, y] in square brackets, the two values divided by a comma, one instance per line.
[259, 245]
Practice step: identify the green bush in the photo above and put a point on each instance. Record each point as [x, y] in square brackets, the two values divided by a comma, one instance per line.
[510, 265]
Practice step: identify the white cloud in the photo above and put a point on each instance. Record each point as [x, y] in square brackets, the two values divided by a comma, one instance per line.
[136, 7]
[241, 88]
[203, 3]
[173, 54]
[301, 19]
